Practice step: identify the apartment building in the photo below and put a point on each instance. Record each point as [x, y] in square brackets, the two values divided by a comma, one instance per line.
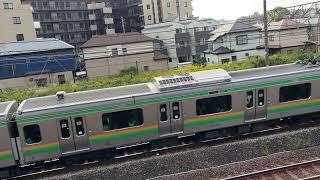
[159, 11]
[16, 22]
[183, 40]
[101, 18]
[65, 20]
[109, 55]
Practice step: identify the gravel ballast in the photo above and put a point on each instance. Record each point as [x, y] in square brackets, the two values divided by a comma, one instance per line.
[210, 162]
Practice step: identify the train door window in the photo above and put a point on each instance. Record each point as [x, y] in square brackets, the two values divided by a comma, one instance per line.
[79, 126]
[176, 110]
[295, 92]
[32, 134]
[64, 127]
[214, 105]
[122, 119]
[261, 98]
[163, 112]
[249, 99]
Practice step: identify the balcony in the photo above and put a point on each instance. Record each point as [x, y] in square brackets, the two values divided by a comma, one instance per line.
[93, 27]
[184, 51]
[96, 6]
[182, 36]
[92, 17]
[108, 20]
[107, 10]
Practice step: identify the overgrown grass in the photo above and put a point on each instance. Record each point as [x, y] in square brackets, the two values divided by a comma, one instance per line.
[133, 78]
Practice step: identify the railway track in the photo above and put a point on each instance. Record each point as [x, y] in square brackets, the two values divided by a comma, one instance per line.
[309, 170]
[144, 150]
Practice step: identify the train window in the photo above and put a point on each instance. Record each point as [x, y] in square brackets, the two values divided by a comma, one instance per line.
[163, 112]
[176, 110]
[261, 97]
[249, 99]
[122, 119]
[32, 134]
[295, 92]
[79, 126]
[64, 127]
[214, 105]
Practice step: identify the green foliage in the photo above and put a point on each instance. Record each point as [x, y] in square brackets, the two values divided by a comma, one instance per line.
[298, 143]
[278, 13]
[130, 76]
[200, 61]
[265, 150]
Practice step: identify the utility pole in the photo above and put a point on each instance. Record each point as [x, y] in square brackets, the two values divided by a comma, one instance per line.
[266, 37]
[123, 27]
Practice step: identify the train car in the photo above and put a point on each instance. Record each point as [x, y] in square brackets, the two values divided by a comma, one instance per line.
[8, 153]
[68, 125]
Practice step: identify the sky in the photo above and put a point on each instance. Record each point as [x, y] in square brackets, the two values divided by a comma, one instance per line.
[232, 9]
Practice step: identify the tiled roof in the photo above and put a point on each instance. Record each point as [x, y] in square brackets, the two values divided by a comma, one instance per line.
[284, 24]
[116, 39]
[38, 45]
[222, 50]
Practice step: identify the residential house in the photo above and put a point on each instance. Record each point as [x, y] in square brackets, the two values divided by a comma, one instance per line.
[182, 39]
[109, 55]
[287, 36]
[233, 42]
[36, 63]
[16, 22]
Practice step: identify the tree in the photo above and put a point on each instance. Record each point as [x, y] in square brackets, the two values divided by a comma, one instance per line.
[278, 13]
[200, 61]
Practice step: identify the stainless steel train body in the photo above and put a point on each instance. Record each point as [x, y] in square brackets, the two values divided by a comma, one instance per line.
[51, 127]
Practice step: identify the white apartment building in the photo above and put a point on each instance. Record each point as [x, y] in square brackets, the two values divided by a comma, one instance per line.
[16, 21]
[158, 11]
[182, 39]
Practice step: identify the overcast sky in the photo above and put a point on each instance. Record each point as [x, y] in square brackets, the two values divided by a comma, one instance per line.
[232, 9]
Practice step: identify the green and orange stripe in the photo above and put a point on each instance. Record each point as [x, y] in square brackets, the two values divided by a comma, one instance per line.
[294, 106]
[6, 154]
[40, 148]
[214, 119]
[127, 133]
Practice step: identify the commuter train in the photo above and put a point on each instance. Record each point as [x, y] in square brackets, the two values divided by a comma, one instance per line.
[85, 124]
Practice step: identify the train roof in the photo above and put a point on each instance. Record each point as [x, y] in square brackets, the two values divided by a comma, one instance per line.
[175, 83]
[5, 109]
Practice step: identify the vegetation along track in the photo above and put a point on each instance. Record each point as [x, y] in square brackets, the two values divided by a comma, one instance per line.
[145, 150]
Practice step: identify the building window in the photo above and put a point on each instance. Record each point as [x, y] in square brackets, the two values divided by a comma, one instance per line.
[234, 58]
[124, 51]
[295, 92]
[214, 105]
[146, 68]
[8, 5]
[61, 79]
[115, 52]
[243, 39]
[179, 30]
[20, 37]
[64, 127]
[16, 20]
[32, 134]
[148, 6]
[225, 61]
[149, 17]
[42, 82]
[168, 4]
[185, 4]
[122, 119]
[271, 37]
[202, 41]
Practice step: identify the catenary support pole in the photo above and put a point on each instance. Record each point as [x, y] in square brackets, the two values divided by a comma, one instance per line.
[266, 37]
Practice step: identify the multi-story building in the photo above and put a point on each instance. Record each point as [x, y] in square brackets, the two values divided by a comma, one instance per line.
[182, 39]
[101, 18]
[233, 42]
[16, 22]
[109, 55]
[159, 11]
[36, 63]
[65, 20]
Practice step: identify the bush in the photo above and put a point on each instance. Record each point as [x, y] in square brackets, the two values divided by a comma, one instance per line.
[130, 76]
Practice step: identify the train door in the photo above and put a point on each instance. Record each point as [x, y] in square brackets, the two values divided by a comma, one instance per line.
[72, 135]
[256, 107]
[170, 118]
